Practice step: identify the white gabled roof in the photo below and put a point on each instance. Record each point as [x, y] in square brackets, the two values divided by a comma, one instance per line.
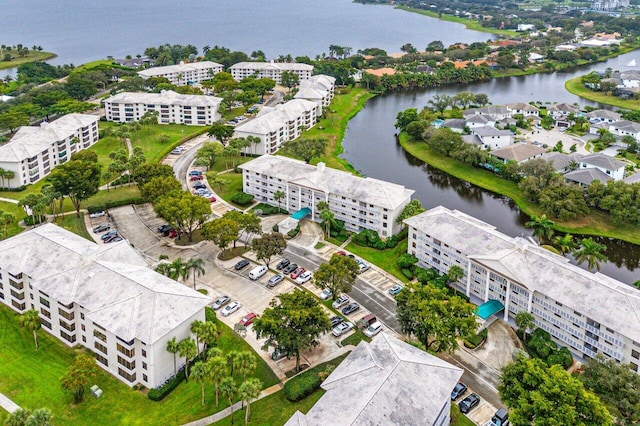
[331, 181]
[602, 298]
[385, 382]
[271, 119]
[166, 97]
[181, 68]
[30, 141]
[111, 282]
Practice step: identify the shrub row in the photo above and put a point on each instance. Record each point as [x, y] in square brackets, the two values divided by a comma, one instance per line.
[473, 341]
[370, 238]
[16, 189]
[540, 346]
[115, 203]
[302, 385]
[267, 209]
[293, 232]
[158, 394]
[33, 220]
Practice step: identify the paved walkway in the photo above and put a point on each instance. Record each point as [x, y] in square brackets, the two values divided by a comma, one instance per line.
[9, 405]
[227, 411]
[9, 200]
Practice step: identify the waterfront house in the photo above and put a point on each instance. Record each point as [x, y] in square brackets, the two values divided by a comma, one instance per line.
[103, 298]
[607, 165]
[625, 128]
[319, 89]
[493, 138]
[362, 203]
[518, 152]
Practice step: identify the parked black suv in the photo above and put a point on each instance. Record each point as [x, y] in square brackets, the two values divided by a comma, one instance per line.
[469, 403]
[283, 264]
[458, 391]
[289, 268]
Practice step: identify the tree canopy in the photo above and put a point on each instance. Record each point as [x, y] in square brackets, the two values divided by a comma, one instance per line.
[293, 323]
[434, 317]
[268, 246]
[184, 211]
[78, 179]
[540, 395]
[338, 275]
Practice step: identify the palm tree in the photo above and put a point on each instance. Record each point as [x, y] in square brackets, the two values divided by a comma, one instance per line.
[208, 334]
[172, 348]
[249, 390]
[187, 349]
[229, 389]
[278, 196]
[525, 321]
[455, 273]
[6, 219]
[244, 363]
[199, 372]
[31, 321]
[196, 328]
[590, 251]
[218, 370]
[325, 215]
[565, 243]
[542, 227]
[194, 266]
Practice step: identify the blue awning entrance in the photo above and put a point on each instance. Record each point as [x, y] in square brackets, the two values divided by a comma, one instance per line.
[489, 308]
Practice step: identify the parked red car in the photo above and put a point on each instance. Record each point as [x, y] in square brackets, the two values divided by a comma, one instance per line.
[295, 274]
[247, 319]
[196, 177]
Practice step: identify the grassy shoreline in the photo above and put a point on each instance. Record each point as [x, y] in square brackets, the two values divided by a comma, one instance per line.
[31, 57]
[596, 223]
[575, 87]
[470, 24]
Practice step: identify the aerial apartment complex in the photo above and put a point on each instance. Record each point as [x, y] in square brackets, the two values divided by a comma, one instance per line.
[183, 74]
[277, 125]
[588, 312]
[102, 297]
[171, 107]
[319, 89]
[362, 203]
[272, 70]
[35, 150]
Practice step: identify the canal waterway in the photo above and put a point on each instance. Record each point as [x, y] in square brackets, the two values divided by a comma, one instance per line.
[370, 146]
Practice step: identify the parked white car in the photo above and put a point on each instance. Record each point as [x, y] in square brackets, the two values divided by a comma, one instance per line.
[342, 328]
[341, 301]
[230, 308]
[304, 277]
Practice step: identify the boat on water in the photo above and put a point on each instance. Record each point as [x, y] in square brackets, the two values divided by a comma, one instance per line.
[632, 63]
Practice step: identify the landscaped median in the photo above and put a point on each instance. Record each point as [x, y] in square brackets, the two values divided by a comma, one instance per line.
[32, 379]
[595, 223]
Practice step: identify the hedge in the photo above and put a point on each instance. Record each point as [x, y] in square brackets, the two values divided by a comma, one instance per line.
[158, 394]
[474, 341]
[370, 238]
[242, 198]
[293, 232]
[116, 203]
[302, 385]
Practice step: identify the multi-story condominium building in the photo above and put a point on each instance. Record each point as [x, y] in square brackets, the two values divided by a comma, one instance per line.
[184, 74]
[588, 312]
[277, 125]
[272, 70]
[362, 203]
[319, 89]
[370, 388]
[171, 107]
[102, 297]
[35, 150]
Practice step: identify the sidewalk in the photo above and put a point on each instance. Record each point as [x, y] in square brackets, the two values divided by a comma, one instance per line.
[9, 200]
[227, 411]
[9, 405]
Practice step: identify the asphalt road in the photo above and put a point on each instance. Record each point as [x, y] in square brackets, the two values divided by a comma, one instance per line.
[482, 379]
[182, 163]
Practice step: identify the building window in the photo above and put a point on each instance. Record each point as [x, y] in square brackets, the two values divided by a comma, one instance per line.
[129, 377]
[130, 353]
[68, 315]
[635, 354]
[44, 302]
[68, 337]
[102, 360]
[45, 323]
[44, 312]
[99, 335]
[144, 377]
[68, 327]
[129, 364]
[100, 347]
[144, 365]
[144, 353]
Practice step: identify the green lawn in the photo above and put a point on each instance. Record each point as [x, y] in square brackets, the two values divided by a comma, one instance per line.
[595, 223]
[30, 57]
[576, 87]
[146, 138]
[74, 224]
[31, 379]
[459, 419]
[471, 24]
[385, 259]
[234, 185]
[273, 410]
[17, 212]
[345, 105]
